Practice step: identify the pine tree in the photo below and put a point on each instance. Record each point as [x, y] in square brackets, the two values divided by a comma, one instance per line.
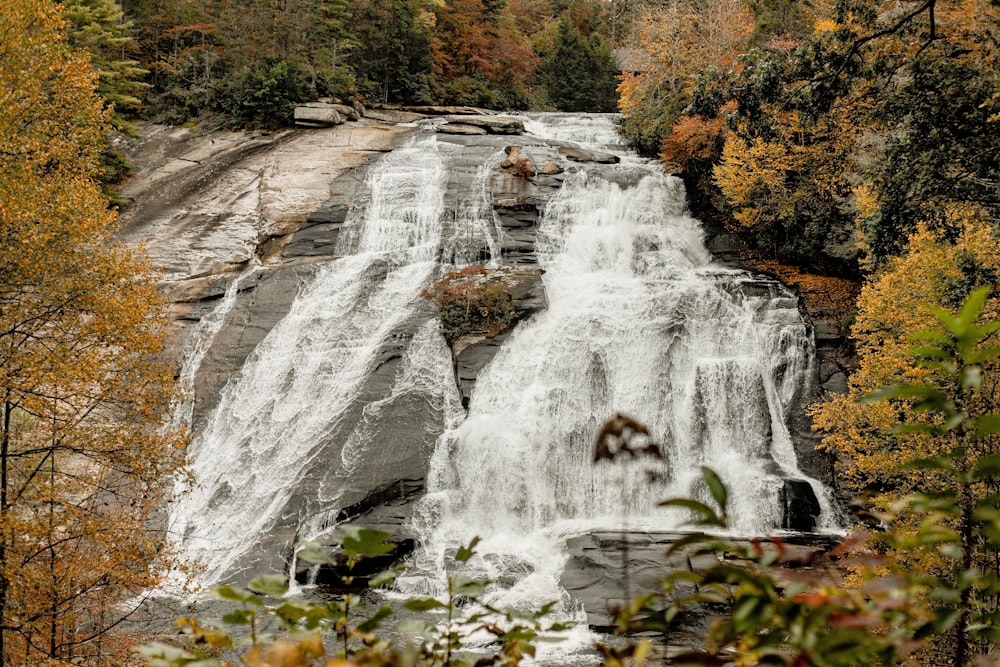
[578, 73]
[100, 27]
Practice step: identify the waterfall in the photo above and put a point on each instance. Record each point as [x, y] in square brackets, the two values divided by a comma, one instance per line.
[639, 321]
[274, 419]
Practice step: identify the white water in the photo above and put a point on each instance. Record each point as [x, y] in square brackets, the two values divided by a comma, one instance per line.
[273, 418]
[639, 321]
[200, 342]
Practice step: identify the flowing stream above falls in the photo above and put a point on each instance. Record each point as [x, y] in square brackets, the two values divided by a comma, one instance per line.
[355, 381]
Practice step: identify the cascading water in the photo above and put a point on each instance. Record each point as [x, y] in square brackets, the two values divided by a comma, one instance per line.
[638, 321]
[275, 417]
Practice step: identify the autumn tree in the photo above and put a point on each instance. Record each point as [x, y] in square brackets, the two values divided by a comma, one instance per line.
[83, 390]
[871, 441]
[679, 42]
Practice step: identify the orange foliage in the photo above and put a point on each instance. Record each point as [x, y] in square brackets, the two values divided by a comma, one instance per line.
[693, 138]
[828, 295]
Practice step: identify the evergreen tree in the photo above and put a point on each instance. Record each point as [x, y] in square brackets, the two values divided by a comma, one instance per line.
[578, 73]
[393, 58]
[100, 27]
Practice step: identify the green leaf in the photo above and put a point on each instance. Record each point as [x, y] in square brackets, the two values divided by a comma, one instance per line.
[385, 578]
[311, 552]
[465, 553]
[930, 463]
[423, 604]
[987, 467]
[162, 651]
[418, 628]
[986, 425]
[274, 585]
[372, 623]
[708, 515]
[931, 396]
[233, 594]
[716, 486]
[358, 541]
[239, 617]
[293, 611]
[463, 585]
[973, 306]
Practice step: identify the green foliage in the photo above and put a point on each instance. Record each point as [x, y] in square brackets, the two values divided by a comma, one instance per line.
[469, 302]
[577, 72]
[266, 96]
[928, 583]
[294, 632]
[99, 27]
[393, 59]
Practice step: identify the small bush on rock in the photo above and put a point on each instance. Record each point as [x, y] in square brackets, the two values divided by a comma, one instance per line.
[470, 302]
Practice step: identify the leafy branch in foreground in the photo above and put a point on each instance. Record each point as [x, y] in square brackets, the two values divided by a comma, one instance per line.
[929, 583]
[269, 628]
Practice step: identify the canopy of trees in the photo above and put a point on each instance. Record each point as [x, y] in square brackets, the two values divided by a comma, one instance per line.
[83, 391]
[247, 63]
[826, 132]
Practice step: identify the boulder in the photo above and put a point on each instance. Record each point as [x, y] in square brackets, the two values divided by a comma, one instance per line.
[512, 154]
[580, 155]
[461, 128]
[492, 124]
[551, 169]
[318, 114]
[350, 113]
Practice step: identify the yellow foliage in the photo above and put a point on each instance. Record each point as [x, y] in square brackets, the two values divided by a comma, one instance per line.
[825, 25]
[83, 392]
[891, 307]
[752, 175]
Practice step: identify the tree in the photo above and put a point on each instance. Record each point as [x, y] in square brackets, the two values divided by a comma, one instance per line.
[83, 388]
[100, 27]
[577, 72]
[952, 434]
[680, 41]
[393, 58]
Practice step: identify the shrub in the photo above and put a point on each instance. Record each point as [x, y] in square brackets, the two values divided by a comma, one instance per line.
[470, 302]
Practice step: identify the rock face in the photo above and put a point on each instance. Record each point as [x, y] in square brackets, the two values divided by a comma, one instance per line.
[600, 562]
[261, 214]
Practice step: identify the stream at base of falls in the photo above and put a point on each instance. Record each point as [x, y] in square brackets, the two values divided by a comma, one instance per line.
[638, 320]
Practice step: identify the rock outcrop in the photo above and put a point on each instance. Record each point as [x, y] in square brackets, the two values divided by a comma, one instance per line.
[489, 124]
[326, 114]
[271, 208]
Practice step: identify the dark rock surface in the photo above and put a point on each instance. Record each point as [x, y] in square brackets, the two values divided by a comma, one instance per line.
[600, 564]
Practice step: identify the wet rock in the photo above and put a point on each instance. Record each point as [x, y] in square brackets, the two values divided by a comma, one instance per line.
[801, 508]
[580, 155]
[461, 128]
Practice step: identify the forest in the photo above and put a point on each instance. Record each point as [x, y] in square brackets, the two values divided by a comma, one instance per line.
[857, 141]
